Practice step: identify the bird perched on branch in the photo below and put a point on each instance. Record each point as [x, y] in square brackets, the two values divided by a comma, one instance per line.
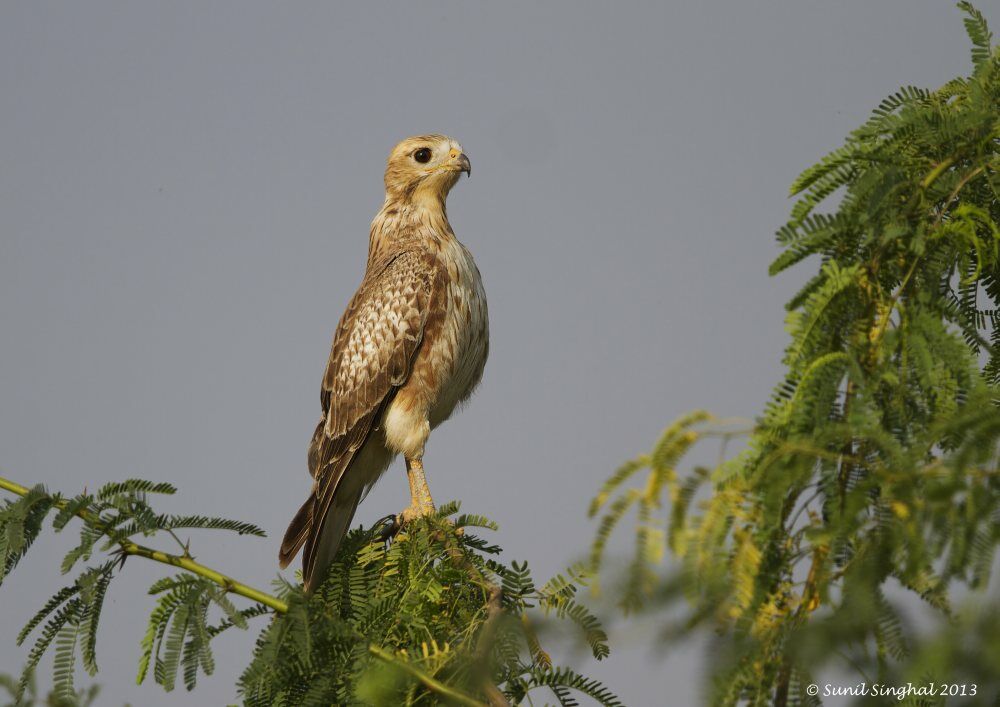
[410, 347]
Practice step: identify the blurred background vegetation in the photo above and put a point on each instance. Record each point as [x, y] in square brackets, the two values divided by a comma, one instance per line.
[871, 476]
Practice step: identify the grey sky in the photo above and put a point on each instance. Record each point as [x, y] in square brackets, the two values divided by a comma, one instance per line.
[185, 194]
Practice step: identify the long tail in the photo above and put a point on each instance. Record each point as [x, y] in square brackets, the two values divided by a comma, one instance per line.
[342, 475]
[295, 536]
[322, 543]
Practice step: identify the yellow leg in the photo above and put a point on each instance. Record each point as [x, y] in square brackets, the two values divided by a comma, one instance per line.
[421, 503]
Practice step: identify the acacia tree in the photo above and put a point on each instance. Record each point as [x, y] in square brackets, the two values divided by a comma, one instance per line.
[872, 472]
[422, 616]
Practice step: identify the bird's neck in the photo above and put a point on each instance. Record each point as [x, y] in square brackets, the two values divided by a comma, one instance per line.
[420, 220]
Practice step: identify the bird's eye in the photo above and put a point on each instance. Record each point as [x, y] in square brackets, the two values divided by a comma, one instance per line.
[422, 155]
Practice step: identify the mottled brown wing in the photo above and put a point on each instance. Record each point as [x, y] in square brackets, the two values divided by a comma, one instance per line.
[373, 348]
[376, 339]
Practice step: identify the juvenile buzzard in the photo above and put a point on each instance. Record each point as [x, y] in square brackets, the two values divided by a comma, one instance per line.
[409, 348]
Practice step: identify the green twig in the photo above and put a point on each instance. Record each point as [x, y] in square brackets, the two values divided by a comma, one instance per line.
[185, 563]
[428, 681]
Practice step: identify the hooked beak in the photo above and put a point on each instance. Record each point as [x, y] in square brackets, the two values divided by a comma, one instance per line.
[460, 163]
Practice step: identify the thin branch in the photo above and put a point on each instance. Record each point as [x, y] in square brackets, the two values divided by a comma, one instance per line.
[182, 545]
[224, 581]
[485, 644]
[876, 337]
[494, 609]
[185, 563]
[427, 680]
[795, 519]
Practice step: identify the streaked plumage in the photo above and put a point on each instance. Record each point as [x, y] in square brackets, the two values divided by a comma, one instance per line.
[410, 347]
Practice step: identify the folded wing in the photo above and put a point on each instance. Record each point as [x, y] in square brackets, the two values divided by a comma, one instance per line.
[373, 350]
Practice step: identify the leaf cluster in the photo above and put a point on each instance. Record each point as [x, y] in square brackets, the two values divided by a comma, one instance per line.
[872, 472]
[423, 616]
[29, 696]
[112, 518]
[429, 615]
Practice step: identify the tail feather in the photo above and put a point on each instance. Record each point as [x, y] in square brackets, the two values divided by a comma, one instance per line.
[343, 476]
[295, 536]
[325, 537]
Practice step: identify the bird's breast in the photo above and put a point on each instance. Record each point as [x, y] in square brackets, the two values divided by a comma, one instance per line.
[457, 349]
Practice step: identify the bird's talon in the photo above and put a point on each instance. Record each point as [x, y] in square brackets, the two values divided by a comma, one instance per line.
[408, 514]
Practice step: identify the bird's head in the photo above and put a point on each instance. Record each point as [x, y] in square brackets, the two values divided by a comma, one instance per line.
[424, 167]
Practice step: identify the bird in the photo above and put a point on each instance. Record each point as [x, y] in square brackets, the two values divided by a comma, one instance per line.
[409, 349]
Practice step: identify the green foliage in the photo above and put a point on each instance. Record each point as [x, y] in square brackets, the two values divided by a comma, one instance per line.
[425, 616]
[873, 469]
[29, 696]
[430, 605]
[20, 523]
[179, 635]
[68, 622]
